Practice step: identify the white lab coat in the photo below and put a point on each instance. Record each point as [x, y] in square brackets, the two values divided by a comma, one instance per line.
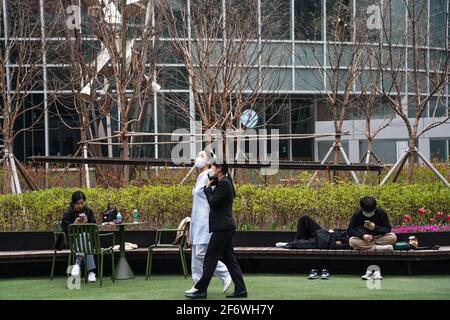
[199, 234]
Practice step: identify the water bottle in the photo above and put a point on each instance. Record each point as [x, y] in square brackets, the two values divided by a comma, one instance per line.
[135, 216]
[119, 218]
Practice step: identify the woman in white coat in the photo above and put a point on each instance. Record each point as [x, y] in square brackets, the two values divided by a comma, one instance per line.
[199, 234]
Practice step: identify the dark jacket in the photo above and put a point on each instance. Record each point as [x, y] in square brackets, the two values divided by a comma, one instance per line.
[70, 216]
[221, 206]
[323, 239]
[380, 218]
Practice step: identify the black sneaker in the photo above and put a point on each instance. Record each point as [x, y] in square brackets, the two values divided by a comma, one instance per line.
[325, 275]
[313, 274]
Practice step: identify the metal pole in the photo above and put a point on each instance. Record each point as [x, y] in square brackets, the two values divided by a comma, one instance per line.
[397, 164]
[322, 162]
[15, 176]
[344, 155]
[430, 165]
[86, 168]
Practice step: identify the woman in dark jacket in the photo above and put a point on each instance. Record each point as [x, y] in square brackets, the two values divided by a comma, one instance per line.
[78, 212]
[222, 227]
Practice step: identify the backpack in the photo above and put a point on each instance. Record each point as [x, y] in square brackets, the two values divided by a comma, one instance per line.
[110, 214]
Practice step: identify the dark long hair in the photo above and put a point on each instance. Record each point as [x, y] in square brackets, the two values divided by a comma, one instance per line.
[77, 196]
[224, 168]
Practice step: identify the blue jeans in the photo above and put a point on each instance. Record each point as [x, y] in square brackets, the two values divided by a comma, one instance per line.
[90, 262]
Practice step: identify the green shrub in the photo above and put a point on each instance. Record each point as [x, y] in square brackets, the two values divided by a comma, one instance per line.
[256, 208]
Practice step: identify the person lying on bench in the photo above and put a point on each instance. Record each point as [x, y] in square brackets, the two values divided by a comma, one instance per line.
[310, 235]
[79, 212]
[369, 227]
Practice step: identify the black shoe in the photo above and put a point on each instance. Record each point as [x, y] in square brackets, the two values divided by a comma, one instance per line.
[325, 275]
[242, 294]
[197, 295]
[313, 274]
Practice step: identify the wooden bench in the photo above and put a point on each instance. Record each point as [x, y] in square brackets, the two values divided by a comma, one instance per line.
[267, 253]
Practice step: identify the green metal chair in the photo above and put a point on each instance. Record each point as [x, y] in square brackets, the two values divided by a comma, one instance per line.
[85, 238]
[57, 232]
[159, 244]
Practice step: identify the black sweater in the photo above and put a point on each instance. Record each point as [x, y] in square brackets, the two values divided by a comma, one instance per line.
[221, 206]
[70, 215]
[380, 219]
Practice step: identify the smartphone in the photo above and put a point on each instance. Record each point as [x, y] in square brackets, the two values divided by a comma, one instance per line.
[83, 217]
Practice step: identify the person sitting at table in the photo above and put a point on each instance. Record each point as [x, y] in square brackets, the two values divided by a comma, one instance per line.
[78, 212]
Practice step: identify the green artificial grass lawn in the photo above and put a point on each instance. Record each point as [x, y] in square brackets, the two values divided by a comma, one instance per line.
[260, 286]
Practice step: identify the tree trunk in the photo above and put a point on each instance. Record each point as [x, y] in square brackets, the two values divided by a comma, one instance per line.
[410, 164]
[83, 137]
[125, 148]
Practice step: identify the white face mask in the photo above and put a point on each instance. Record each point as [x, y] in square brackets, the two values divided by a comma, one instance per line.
[211, 173]
[200, 163]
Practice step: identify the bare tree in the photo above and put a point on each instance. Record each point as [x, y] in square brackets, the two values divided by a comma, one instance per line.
[118, 73]
[21, 69]
[411, 69]
[333, 71]
[230, 61]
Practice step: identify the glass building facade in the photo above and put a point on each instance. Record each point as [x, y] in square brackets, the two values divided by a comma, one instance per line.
[303, 26]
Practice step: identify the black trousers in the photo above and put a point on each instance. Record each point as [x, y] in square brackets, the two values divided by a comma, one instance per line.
[221, 248]
[306, 228]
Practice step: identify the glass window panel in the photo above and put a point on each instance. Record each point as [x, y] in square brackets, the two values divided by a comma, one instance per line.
[309, 54]
[438, 23]
[172, 115]
[438, 150]
[276, 54]
[275, 19]
[308, 19]
[339, 20]
[418, 16]
[308, 79]
[239, 22]
[393, 13]
[302, 121]
[173, 78]
[385, 150]
[24, 19]
[277, 79]
[277, 117]
[437, 107]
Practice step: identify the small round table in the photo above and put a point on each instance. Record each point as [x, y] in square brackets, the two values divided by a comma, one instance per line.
[123, 270]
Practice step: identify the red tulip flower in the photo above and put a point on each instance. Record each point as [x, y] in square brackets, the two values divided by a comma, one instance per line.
[431, 220]
[448, 217]
[422, 211]
[440, 214]
[407, 218]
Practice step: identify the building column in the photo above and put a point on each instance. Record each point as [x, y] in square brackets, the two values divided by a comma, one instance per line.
[353, 147]
[424, 147]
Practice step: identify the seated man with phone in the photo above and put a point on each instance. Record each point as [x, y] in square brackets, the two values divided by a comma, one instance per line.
[369, 227]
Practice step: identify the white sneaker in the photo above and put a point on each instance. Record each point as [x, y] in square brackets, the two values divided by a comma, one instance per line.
[227, 284]
[91, 277]
[280, 244]
[368, 275]
[387, 247]
[191, 290]
[75, 271]
[377, 275]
